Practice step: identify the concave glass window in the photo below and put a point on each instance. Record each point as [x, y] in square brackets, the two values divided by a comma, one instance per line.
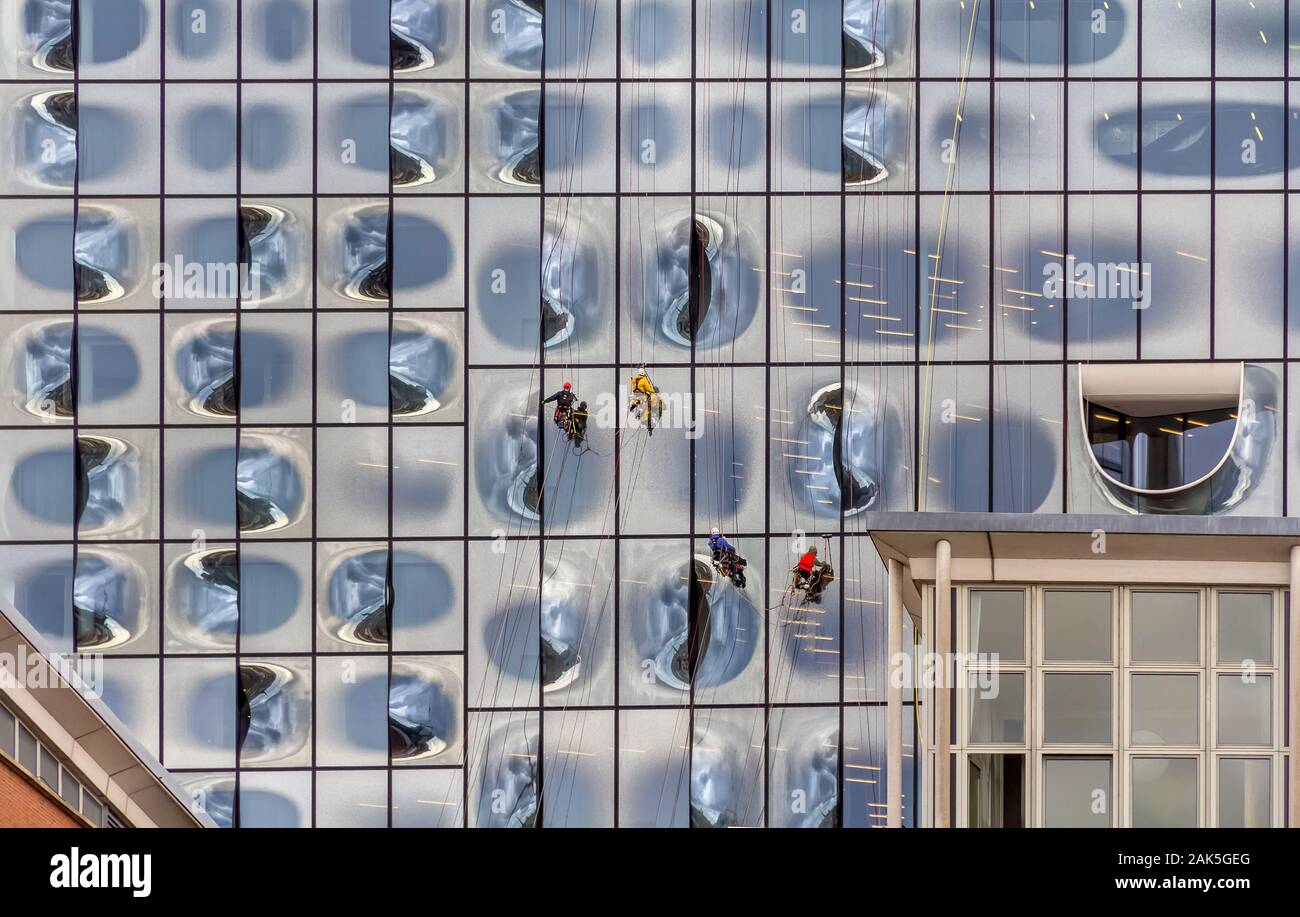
[1160, 451]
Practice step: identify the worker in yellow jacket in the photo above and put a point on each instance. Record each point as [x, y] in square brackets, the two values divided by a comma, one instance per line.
[645, 396]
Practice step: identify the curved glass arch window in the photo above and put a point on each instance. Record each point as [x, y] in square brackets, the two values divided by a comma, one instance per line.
[1160, 451]
[1191, 438]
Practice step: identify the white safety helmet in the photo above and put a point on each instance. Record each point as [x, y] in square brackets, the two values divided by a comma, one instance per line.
[714, 531]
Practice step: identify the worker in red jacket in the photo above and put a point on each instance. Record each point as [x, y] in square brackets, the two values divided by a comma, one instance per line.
[808, 564]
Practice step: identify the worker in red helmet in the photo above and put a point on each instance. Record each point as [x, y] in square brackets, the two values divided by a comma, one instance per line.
[564, 400]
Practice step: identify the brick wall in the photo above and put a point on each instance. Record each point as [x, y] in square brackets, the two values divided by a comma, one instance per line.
[23, 805]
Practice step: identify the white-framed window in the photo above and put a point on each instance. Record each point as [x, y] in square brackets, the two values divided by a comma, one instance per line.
[1127, 706]
[1247, 761]
[30, 753]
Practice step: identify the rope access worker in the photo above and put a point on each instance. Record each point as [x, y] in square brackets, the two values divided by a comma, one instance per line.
[720, 546]
[580, 424]
[808, 566]
[644, 394]
[564, 400]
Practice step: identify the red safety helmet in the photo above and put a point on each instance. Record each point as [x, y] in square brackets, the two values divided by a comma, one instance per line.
[568, 385]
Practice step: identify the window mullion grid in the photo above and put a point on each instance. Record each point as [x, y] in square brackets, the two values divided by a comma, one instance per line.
[962, 672]
[1042, 750]
[1216, 753]
[1130, 751]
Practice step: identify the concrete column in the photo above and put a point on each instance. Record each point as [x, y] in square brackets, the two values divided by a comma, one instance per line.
[894, 711]
[1293, 694]
[943, 699]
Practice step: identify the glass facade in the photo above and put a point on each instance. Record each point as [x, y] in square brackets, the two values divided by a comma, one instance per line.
[284, 283]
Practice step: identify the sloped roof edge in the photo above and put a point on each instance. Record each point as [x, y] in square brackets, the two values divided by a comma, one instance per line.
[98, 737]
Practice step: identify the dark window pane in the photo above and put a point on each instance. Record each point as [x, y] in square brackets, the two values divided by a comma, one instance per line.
[49, 770]
[8, 734]
[27, 749]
